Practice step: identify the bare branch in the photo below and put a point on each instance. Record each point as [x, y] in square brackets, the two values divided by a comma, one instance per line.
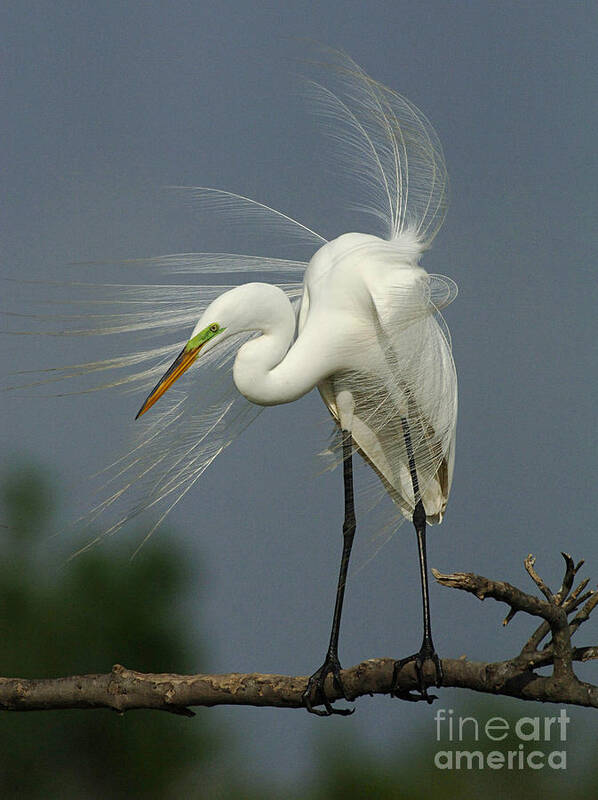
[529, 565]
[585, 653]
[570, 571]
[125, 689]
[585, 612]
[574, 600]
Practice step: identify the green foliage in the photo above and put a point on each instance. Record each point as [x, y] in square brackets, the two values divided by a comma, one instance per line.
[99, 609]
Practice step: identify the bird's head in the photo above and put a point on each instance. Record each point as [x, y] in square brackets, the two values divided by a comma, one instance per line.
[240, 309]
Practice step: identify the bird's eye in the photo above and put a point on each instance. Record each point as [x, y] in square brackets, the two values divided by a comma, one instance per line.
[214, 327]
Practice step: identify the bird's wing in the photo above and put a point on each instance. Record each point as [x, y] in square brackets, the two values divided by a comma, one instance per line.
[417, 399]
[404, 394]
[388, 146]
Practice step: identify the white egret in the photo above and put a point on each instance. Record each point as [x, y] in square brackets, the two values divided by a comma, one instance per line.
[368, 341]
[369, 336]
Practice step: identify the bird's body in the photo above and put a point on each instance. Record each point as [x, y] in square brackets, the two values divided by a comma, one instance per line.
[368, 340]
[372, 300]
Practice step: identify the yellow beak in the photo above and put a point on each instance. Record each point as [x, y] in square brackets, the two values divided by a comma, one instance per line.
[180, 365]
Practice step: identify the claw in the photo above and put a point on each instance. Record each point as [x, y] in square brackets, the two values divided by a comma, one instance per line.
[427, 653]
[314, 693]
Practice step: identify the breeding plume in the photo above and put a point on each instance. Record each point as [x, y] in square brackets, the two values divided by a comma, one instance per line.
[360, 322]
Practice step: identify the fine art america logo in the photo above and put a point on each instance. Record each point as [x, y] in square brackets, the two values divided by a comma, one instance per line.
[487, 745]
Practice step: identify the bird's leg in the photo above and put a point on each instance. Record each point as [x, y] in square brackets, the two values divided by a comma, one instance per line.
[426, 651]
[314, 694]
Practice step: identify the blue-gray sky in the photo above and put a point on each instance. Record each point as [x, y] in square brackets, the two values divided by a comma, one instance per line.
[105, 104]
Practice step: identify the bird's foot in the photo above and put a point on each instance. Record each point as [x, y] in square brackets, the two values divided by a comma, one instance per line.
[315, 693]
[426, 653]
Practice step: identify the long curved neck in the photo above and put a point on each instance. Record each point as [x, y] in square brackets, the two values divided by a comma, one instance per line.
[261, 371]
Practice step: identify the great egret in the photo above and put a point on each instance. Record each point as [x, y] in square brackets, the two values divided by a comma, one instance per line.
[369, 336]
[368, 341]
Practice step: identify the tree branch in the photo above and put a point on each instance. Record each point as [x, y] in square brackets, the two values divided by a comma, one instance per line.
[123, 689]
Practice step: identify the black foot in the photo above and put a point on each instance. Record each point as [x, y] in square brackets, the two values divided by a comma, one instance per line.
[427, 653]
[315, 695]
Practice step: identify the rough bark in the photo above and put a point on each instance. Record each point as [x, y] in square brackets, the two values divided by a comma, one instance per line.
[562, 613]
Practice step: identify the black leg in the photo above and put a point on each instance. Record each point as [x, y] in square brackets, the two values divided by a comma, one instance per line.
[314, 693]
[427, 651]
